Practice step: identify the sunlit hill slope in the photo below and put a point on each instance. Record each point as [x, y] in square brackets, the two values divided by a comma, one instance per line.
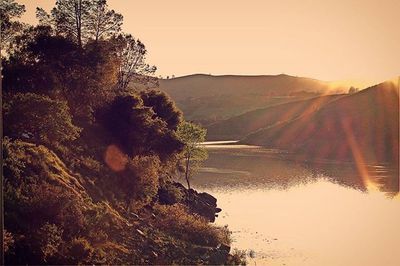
[363, 125]
[239, 126]
[207, 98]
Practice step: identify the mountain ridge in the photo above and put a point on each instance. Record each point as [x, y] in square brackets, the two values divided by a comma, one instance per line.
[369, 117]
[207, 99]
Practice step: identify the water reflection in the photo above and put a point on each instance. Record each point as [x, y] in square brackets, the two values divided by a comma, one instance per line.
[255, 166]
[297, 213]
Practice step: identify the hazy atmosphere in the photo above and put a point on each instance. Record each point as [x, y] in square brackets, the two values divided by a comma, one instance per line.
[200, 132]
[328, 40]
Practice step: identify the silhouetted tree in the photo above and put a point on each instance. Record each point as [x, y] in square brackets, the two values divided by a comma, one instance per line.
[133, 67]
[9, 10]
[56, 66]
[137, 129]
[353, 90]
[82, 20]
[163, 107]
[102, 22]
[39, 119]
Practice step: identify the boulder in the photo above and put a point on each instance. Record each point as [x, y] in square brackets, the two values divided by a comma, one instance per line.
[202, 204]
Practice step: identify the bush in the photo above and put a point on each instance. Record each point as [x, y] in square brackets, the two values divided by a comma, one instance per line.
[179, 223]
[238, 257]
[38, 119]
[163, 107]
[50, 239]
[80, 251]
[136, 128]
[170, 194]
[140, 180]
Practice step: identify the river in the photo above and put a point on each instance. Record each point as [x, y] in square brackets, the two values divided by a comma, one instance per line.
[289, 212]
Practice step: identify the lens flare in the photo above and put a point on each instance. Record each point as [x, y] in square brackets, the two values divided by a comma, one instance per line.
[115, 158]
[369, 184]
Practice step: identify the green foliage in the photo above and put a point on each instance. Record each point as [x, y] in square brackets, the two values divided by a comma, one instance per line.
[38, 119]
[193, 154]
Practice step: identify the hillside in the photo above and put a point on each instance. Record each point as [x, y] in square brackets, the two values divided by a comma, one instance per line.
[48, 200]
[89, 170]
[207, 98]
[239, 126]
[363, 125]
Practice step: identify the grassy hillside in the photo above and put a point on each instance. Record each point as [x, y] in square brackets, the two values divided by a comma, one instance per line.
[52, 217]
[207, 98]
[239, 126]
[363, 125]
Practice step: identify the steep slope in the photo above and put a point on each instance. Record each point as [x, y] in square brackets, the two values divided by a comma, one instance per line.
[239, 126]
[207, 98]
[363, 126]
[51, 216]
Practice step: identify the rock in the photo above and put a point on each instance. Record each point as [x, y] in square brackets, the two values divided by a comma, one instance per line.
[140, 232]
[208, 198]
[201, 207]
[202, 204]
[219, 257]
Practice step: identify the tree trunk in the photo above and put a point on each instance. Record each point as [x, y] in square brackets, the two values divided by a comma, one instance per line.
[187, 170]
[78, 16]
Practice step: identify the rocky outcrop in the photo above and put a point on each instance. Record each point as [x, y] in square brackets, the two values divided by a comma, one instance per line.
[202, 204]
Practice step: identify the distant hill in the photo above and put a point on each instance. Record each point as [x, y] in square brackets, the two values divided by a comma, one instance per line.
[207, 98]
[239, 126]
[364, 125]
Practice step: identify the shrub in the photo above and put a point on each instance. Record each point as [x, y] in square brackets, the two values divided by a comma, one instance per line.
[80, 251]
[238, 257]
[50, 238]
[136, 128]
[163, 107]
[179, 223]
[39, 119]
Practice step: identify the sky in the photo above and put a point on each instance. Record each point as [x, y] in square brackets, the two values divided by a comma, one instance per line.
[328, 40]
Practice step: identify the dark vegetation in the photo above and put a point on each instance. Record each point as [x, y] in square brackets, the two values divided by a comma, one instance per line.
[89, 160]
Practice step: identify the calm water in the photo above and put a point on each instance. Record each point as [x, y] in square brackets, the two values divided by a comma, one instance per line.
[296, 213]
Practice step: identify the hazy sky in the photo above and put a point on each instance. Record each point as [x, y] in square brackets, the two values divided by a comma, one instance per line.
[328, 40]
